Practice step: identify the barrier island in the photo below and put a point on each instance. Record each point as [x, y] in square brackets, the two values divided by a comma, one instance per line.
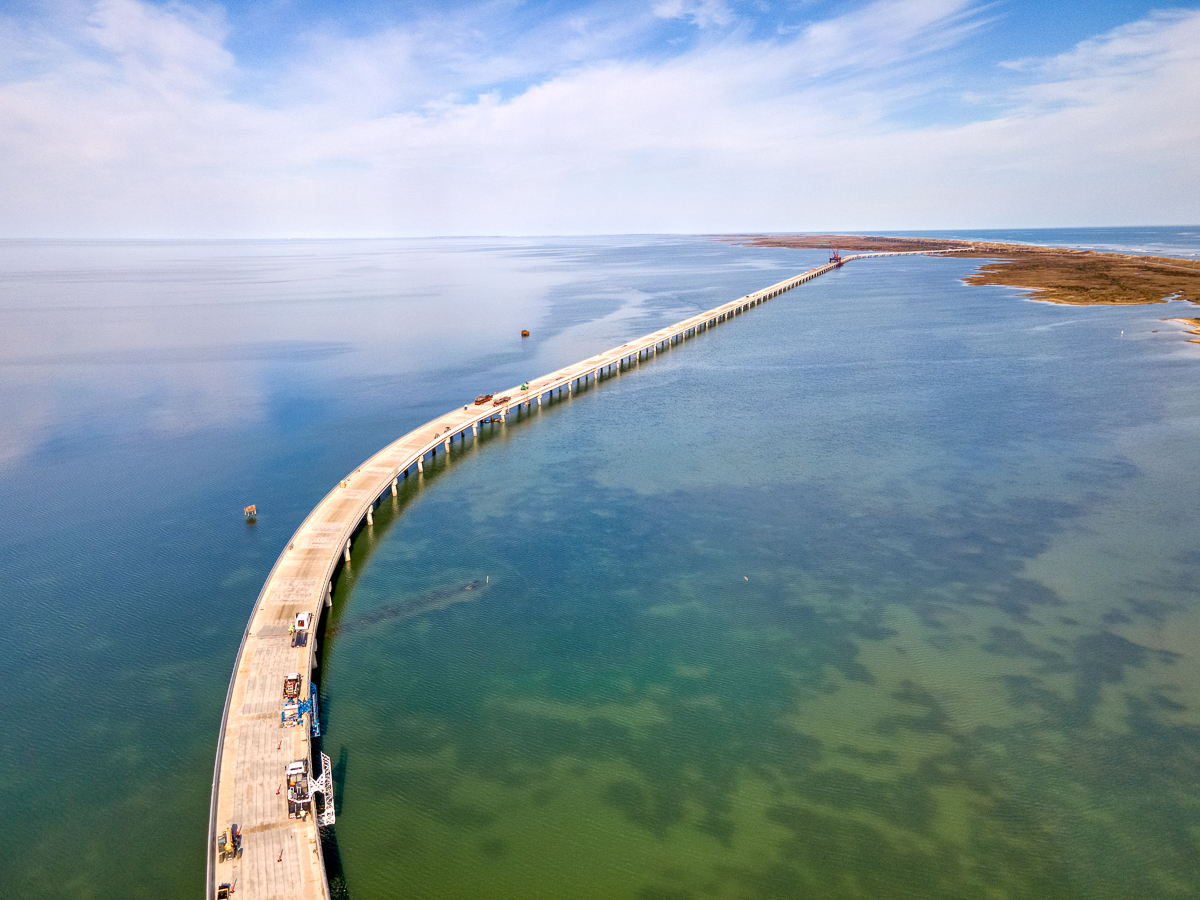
[1055, 274]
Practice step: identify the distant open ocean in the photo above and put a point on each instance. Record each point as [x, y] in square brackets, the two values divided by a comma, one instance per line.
[1144, 241]
[885, 589]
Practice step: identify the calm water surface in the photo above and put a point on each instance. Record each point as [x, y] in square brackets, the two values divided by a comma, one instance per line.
[885, 589]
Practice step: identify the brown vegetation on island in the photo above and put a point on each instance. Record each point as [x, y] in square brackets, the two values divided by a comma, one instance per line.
[1057, 274]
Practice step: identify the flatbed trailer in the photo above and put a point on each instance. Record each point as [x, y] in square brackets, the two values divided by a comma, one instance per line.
[299, 804]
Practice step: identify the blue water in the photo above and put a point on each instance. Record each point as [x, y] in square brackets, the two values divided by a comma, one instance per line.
[884, 589]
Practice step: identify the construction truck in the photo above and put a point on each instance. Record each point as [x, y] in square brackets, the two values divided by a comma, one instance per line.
[300, 628]
[302, 790]
[291, 686]
[229, 843]
[298, 798]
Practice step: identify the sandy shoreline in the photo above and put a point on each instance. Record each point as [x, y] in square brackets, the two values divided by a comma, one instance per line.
[1195, 329]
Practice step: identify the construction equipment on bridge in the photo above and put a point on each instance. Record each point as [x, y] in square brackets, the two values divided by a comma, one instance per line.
[299, 629]
[325, 817]
[224, 891]
[302, 790]
[836, 258]
[482, 399]
[297, 789]
[291, 686]
[229, 843]
[293, 713]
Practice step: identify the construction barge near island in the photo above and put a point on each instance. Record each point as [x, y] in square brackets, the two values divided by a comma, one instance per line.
[282, 796]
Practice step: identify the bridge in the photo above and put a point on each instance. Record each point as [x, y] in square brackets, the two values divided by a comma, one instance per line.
[281, 855]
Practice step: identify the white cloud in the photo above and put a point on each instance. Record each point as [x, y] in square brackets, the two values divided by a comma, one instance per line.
[174, 48]
[703, 13]
[138, 121]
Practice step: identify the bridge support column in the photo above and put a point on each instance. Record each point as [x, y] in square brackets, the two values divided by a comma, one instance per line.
[346, 552]
[420, 464]
[395, 486]
[329, 596]
[474, 429]
[446, 444]
[370, 518]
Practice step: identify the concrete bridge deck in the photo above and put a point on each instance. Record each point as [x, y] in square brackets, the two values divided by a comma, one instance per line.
[282, 857]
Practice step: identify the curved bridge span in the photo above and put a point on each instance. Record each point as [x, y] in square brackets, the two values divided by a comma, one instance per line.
[281, 856]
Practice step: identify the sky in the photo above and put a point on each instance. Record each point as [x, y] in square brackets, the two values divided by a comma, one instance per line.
[307, 118]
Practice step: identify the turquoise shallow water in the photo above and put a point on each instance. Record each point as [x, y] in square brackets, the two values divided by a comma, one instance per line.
[886, 588]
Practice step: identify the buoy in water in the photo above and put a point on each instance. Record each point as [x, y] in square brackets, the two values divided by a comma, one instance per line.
[524, 332]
